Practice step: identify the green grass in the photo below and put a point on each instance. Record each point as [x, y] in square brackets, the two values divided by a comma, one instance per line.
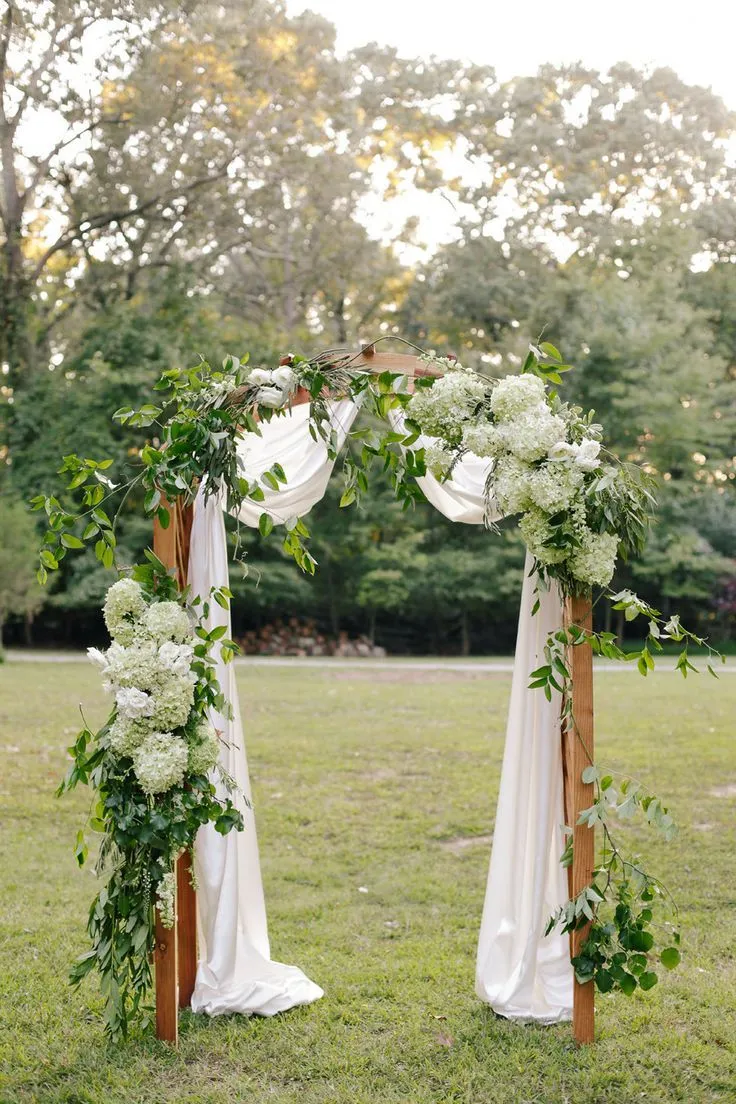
[378, 779]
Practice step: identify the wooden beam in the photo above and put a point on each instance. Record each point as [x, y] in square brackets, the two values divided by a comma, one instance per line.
[578, 753]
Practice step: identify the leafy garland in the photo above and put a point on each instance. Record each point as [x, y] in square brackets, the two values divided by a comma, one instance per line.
[150, 766]
[579, 508]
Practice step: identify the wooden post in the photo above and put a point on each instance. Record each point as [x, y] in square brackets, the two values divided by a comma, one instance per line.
[175, 955]
[165, 962]
[186, 922]
[578, 751]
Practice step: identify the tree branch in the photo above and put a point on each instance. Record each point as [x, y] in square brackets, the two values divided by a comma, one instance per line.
[105, 218]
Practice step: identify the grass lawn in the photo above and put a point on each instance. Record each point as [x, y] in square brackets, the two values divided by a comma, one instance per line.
[387, 780]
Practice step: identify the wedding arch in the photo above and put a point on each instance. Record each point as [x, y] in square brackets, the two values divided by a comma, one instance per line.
[261, 444]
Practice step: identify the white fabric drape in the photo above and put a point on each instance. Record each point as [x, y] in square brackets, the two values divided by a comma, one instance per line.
[235, 973]
[461, 498]
[286, 440]
[521, 973]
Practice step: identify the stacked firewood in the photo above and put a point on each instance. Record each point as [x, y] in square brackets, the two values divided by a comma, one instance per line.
[304, 638]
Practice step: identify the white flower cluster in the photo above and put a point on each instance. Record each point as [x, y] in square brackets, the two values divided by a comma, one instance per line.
[445, 408]
[595, 560]
[148, 668]
[438, 460]
[166, 899]
[275, 386]
[538, 472]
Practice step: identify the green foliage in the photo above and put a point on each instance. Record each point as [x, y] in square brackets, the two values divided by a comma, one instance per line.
[142, 834]
[19, 591]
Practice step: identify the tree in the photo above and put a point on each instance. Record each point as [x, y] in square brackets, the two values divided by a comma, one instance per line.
[19, 592]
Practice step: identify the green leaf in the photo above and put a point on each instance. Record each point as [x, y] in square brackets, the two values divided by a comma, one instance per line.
[648, 980]
[348, 497]
[670, 957]
[70, 541]
[627, 983]
[265, 524]
[549, 350]
[590, 774]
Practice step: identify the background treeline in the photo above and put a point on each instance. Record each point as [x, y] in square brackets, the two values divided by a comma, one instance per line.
[197, 179]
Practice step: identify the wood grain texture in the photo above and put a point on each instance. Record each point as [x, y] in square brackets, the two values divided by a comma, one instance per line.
[165, 959]
[578, 753]
[186, 927]
[175, 955]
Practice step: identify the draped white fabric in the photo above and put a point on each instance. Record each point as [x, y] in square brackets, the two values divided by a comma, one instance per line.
[521, 973]
[286, 440]
[235, 973]
[461, 498]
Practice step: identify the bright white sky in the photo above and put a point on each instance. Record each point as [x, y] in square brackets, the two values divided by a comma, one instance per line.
[696, 38]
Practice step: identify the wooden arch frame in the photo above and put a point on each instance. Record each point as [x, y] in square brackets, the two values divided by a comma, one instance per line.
[175, 954]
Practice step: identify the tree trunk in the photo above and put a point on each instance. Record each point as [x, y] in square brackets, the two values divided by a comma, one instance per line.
[464, 634]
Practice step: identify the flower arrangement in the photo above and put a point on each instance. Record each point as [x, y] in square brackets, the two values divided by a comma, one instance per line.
[578, 506]
[153, 765]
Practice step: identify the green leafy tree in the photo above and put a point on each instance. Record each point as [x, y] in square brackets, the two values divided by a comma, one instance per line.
[20, 594]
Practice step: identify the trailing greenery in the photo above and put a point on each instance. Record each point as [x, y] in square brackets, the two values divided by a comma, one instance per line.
[152, 793]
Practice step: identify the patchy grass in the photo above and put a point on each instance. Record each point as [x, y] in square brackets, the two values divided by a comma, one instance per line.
[382, 784]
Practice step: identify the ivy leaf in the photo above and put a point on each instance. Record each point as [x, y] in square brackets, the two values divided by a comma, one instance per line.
[265, 524]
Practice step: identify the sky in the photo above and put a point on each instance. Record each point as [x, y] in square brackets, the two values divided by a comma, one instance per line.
[696, 39]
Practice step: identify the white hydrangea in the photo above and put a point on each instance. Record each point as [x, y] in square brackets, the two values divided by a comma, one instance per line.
[124, 606]
[443, 409]
[167, 621]
[137, 665]
[176, 658]
[484, 439]
[552, 487]
[510, 484]
[172, 703]
[535, 529]
[133, 704]
[125, 735]
[160, 762]
[166, 899]
[513, 395]
[438, 460]
[594, 562]
[204, 749]
[531, 434]
[444, 364]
